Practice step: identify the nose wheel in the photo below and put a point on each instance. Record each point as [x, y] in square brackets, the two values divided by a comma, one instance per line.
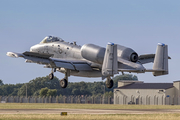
[51, 75]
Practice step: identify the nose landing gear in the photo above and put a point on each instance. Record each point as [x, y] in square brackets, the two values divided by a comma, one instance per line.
[51, 76]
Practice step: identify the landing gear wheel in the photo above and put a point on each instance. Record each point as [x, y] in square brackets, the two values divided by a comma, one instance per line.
[109, 83]
[51, 76]
[63, 83]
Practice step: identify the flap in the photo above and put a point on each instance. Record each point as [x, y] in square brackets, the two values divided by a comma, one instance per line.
[71, 64]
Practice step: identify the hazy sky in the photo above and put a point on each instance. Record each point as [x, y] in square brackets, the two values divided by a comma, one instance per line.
[139, 24]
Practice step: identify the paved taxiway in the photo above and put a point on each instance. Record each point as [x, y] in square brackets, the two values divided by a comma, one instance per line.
[86, 111]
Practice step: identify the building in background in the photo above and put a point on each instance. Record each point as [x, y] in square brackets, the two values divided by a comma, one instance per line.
[138, 92]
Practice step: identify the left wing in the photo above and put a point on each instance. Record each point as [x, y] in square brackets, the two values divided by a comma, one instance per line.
[46, 59]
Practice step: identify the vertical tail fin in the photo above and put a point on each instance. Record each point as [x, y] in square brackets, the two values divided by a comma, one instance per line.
[161, 60]
[110, 64]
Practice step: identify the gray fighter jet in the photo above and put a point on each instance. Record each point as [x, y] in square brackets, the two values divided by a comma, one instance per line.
[91, 60]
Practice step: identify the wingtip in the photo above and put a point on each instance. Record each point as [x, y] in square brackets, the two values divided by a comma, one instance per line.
[161, 44]
[110, 43]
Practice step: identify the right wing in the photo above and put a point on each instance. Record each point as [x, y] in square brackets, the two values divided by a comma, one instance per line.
[46, 59]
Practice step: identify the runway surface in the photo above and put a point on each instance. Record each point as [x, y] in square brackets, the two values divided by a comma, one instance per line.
[86, 111]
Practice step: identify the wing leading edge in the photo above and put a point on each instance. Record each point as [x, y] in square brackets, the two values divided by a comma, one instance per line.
[45, 59]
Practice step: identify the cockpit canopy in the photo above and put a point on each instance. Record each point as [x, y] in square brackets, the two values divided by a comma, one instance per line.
[50, 39]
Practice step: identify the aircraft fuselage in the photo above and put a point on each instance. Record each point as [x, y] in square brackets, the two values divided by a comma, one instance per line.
[65, 50]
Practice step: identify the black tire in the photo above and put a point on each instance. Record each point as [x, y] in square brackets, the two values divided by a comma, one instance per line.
[109, 83]
[63, 83]
[51, 76]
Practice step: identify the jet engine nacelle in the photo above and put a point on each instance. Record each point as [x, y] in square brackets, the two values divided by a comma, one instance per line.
[93, 53]
[96, 53]
[127, 53]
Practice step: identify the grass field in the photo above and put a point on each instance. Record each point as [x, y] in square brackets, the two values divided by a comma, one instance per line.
[160, 116]
[90, 117]
[81, 106]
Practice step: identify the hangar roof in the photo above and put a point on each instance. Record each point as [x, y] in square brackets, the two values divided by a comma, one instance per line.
[147, 86]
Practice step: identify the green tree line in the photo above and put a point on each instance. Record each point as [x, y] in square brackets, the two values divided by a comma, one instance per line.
[42, 86]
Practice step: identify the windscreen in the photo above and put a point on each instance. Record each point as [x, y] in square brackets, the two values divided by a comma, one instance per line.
[50, 39]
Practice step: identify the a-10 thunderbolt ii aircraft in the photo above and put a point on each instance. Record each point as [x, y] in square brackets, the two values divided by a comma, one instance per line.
[92, 60]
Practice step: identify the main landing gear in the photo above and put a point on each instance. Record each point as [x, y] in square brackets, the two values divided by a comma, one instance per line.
[63, 82]
[109, 83]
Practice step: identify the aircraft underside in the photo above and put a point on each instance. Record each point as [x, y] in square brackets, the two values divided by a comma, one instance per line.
[90, 74]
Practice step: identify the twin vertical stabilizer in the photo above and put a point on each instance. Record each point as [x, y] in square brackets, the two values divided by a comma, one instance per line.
[161, 60]
[110, 64]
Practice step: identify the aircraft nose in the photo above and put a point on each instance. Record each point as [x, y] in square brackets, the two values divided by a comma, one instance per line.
[34, 48]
